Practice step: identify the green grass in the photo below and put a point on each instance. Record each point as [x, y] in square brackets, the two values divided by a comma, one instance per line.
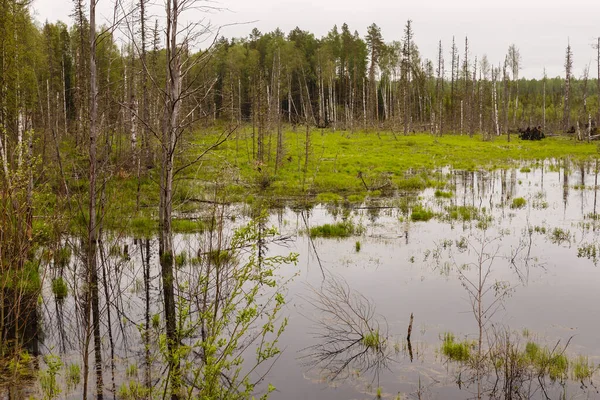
[373, 340]
[464, 213]
[336, 230]
[341, 166]
[518, 202]
[582, 369]
[456, 351]
[555, 365]
[59, 288]
[559, 236]
[444, 195]
[420, 213]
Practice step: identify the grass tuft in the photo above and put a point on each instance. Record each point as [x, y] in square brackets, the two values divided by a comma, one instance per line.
[336, 230]
[456, 351]
[518, 202]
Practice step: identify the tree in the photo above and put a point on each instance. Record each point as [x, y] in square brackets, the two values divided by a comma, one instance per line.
[514, 60]
[375, 45]
[567, 91]
[440, 88]
[407, 75]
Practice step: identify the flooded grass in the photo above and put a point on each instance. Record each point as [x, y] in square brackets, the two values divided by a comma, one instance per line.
[415, 246]
[59, 288]
[420, 213]
[456, 351]
[518, 202]
[373, 340]
[443, 195]
[336, 230]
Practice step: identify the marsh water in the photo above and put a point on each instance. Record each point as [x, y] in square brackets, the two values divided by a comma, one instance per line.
[542, 276]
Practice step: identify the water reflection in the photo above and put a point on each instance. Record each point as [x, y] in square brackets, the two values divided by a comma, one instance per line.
[548, 249]
[351, 338]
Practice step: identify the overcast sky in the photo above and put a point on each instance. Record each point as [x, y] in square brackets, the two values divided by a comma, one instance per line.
[539, 28]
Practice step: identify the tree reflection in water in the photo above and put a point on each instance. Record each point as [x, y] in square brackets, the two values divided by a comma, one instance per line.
[351, 337]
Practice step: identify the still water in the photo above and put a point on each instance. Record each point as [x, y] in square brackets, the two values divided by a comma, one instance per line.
[540, 285]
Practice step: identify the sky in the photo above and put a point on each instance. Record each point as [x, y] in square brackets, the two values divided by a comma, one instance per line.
[540, 29]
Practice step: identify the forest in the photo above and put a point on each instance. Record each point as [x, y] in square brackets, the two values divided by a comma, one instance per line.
[145, 160]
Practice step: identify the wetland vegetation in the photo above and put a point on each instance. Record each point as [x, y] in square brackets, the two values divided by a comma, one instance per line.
[281, 216]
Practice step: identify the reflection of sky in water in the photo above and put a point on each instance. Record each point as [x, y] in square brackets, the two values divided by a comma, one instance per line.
[555, 299]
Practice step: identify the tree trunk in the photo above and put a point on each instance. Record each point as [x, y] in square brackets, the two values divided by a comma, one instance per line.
[169, 138]
[92, 262]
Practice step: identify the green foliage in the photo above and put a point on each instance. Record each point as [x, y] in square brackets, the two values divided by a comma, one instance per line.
[444, 195]
[555, 365]
[373, 340]
[559, 236]
[220, 257]
[48, 377]
[582, 369]
[181, 259]
[589, 251]
[133, 390]
[357, 246]
[420, 213]
[73, 377]
[187, 226]
[326, 197]
[336, 230]
[26, 279]
[464, 213]
[59, 288]
[456, 351]
[62, 256]
[518, 202]
[247, 311]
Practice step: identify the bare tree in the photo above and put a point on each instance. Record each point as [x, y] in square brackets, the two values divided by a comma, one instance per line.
[91, 295]
[567, 98]
[350, 335]
[440, 89]
[514, 59]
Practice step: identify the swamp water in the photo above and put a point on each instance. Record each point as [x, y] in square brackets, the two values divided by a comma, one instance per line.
[527, 269]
